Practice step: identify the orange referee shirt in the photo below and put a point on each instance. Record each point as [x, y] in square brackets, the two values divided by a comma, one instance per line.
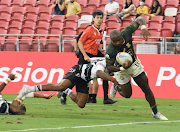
[91, 39]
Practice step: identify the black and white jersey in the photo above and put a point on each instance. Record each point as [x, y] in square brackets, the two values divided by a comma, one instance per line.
[4, 106]
[88, 71]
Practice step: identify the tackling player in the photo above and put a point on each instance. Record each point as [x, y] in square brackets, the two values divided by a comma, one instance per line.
[16, 107]
[122, 42]
[78, 75]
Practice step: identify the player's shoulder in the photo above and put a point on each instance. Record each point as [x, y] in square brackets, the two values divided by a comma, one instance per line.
[110, 47]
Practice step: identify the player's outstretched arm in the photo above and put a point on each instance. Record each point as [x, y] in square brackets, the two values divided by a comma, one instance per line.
[104, 76]
[10, 78]
[46, 96]
[110, 66]
[141, 21]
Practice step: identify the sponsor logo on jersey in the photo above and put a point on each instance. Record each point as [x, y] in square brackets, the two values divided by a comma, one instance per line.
[128, 45]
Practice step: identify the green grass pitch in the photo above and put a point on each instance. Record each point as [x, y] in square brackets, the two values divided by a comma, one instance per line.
[128, 115]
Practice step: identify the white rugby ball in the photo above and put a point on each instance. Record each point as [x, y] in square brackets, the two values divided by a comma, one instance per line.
[121, 57]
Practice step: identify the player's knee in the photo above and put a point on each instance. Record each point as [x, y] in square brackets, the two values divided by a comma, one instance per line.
[128, 96]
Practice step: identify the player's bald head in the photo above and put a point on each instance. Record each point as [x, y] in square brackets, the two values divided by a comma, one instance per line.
[116, 35]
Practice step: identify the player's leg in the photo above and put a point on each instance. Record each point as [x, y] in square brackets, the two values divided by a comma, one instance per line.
[123, 78]
[89, 100]
[107, 100]
[142, 82]
[95, 90]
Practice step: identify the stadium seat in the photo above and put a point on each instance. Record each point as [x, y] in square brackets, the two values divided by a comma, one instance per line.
[83, 25]
[43, 3]
[170, 12]
[136, 3]
[26, 41]
[73, 18]
[88, 9]
[31, 17]
[69, 31]
[45, 18]
[110, 23]
[93, 3]
[58, 26]
[68, 46]
[178, 26]
[79, 30]
[18, 10]
[45, 11]
[32, 10]
[101, 8]
[113, 17]
[5, 17]
[53, 45]
[147, 18]
[58, 19]
[155, 25]
[104, 2]
[82, 2]
[148, 3]
[19, 18]
[83, 13]
[87, 18]
[30, 3]
[30, 24]
[162, 3]
[4, 25]
[103, 26]
[5, 3]
[16, 24]
[166, 33]
[157, 18]
[42, 41]
[122, 2]
[2, 38]
[71, 24]
[154, 33]
[17, 3]
[10, 45]
[6, 11]
[125, 23]
[172, 3]
[44, 25]
[170, 19]
[114, 25]
[168, 25]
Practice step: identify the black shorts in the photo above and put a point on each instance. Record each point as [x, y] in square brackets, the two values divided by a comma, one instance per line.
[81, 57]
[73, 75]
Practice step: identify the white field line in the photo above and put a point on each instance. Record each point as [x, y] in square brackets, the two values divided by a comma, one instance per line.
[92, 126]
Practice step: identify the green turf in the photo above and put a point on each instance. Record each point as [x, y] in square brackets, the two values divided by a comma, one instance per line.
[128, 115]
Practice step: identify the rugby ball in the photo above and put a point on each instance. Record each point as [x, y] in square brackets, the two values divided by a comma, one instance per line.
[121, 57]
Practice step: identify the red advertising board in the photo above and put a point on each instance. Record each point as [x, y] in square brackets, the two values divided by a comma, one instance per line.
[34, 68]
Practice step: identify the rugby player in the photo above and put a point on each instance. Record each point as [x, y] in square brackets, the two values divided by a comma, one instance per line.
[122, 42]
[78, 75]
[16, 107]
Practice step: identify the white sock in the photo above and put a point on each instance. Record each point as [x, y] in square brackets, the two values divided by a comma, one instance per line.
[35, 88]
[68, 91]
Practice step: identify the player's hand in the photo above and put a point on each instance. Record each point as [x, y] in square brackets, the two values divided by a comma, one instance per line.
[46, 96]
[127, 64]
[87, 58]
[11, 76]
[145, 33]
[116, 82]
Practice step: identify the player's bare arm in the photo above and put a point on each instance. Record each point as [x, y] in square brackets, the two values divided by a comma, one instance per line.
[111, 67]
[46, 96]
[141, 21]
[104, 76]
[81, 47]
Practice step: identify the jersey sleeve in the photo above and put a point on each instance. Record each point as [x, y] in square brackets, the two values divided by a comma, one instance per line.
[84, 36]
[116, 5]
[101, 65]
[110, 54]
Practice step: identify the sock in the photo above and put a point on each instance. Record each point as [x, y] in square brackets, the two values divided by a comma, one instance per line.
[154, 109]
[35, 88]
[64, 95]
[105, 89]
[68, 91]
[90, 96]
[94, 96]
